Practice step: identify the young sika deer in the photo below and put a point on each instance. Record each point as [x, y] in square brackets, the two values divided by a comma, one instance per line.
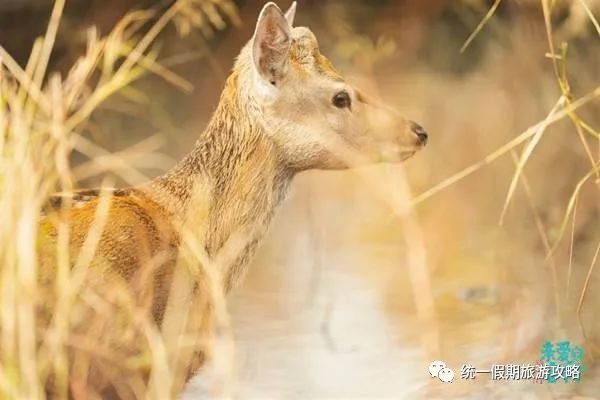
[284, 110]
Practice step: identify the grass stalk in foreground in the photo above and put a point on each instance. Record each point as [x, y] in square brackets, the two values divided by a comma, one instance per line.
[43, 118]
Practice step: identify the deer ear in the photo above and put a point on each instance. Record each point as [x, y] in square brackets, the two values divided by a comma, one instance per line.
[271, 43]
[290, 14]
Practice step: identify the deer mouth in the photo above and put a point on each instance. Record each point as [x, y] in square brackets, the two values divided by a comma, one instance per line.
[405, 156]
[396, 154]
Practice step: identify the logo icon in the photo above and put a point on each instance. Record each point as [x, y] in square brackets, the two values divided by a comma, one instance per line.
[438, 369]
[446, 375]
[561, 361]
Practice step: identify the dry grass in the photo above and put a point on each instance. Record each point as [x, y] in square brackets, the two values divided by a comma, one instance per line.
[585, 132]
[42, 121]
[564, 107]
[518, 295]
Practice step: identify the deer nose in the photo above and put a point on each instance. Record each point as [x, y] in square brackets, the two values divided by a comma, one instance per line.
[420, 132]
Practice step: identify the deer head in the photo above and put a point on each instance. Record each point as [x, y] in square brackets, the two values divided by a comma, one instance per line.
[314, 116]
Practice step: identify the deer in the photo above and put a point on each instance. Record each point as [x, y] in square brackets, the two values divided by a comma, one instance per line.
[284, 109]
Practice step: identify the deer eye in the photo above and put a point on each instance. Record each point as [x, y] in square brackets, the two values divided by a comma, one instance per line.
[342, 99]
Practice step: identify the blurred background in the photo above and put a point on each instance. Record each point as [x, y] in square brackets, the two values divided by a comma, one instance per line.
[329, 308]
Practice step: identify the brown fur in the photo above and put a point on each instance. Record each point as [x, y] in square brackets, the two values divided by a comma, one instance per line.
[227, 188]
[242, 180]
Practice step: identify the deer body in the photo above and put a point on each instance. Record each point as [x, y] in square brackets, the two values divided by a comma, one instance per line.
[282, 111]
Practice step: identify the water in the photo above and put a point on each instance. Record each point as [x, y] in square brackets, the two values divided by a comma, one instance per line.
[327, 310]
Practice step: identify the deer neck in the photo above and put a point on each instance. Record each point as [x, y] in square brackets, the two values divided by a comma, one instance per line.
[225, 191]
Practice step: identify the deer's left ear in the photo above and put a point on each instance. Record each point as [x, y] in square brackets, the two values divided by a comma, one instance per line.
[271, 43]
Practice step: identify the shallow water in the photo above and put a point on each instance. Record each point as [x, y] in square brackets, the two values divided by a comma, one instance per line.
[327, 310]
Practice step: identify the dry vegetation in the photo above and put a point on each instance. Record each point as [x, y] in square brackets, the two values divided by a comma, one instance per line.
[55, 328]
[466, 282]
